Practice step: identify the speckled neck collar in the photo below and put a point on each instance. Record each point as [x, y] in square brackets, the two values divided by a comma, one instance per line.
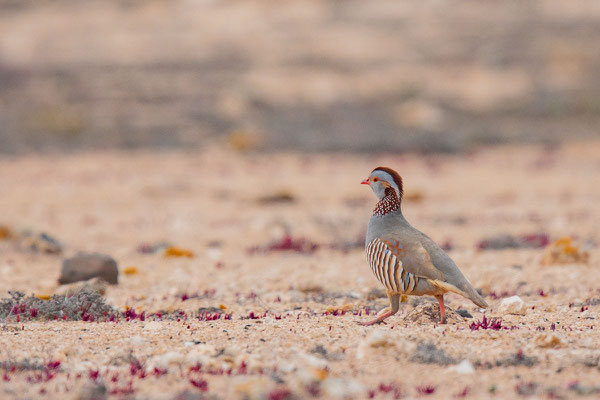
[389, 203]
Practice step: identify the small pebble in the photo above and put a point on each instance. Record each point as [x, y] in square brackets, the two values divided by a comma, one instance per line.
[513, 305]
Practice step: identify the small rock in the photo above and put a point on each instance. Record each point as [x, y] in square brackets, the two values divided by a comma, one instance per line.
[94, 284]
[464, 313]
[464, 368]
[545, 340]
[513, 305]
[84, 266]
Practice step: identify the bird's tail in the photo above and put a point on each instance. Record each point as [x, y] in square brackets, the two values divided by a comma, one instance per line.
[476, 298]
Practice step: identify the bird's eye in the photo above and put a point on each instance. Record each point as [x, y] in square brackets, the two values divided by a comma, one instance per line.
[375, 179]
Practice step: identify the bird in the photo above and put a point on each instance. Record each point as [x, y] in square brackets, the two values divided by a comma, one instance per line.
[403, 259]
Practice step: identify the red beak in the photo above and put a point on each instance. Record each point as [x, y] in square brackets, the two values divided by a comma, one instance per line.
[365, 182]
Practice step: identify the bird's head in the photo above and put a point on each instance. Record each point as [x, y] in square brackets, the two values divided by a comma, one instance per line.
[383, 178]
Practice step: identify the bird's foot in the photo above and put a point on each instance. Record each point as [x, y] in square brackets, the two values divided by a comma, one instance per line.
[383, 314]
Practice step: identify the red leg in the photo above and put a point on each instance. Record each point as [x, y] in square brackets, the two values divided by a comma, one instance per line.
[379, 319]
[440, 300]
[386, 312]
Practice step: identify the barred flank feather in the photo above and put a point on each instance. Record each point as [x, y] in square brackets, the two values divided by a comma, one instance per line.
[388, 268]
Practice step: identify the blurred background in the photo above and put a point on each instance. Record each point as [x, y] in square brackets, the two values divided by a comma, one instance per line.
[432, 76]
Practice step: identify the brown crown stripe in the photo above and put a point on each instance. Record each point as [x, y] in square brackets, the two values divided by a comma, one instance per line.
[396, 176]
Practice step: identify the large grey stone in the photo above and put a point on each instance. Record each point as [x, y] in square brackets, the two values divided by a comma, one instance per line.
[84, 266]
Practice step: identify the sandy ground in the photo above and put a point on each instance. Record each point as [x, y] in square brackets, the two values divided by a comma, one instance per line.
[207, 202]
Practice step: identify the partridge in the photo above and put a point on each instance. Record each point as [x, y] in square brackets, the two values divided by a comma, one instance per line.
[403, 259]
